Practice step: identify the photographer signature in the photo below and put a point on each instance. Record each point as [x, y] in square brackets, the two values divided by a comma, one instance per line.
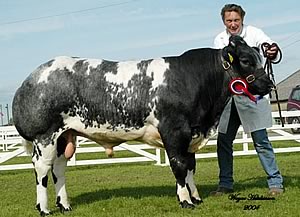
[237, 197]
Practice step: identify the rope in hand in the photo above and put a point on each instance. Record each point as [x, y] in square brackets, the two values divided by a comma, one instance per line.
[268, 66]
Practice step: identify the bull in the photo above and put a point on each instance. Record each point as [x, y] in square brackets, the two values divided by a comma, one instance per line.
[171, 102]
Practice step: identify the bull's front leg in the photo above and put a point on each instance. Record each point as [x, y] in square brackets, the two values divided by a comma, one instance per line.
[196, 200]
[58, 174]
[177, 137]
[183, 168]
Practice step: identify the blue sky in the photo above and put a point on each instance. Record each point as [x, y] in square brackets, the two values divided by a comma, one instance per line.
[127, 30]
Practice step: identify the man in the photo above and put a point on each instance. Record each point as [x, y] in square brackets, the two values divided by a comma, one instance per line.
[255, 118]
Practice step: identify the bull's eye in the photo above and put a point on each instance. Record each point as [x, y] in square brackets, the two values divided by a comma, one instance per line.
[245, 62]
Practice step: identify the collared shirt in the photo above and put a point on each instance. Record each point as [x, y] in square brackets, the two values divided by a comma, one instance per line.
[253, 36]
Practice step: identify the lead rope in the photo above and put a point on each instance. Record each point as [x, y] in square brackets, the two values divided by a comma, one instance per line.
[268, 65]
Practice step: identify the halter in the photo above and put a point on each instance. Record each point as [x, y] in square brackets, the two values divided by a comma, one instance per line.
[239, 86]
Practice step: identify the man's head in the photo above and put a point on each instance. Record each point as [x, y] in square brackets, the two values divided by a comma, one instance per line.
[233, 17]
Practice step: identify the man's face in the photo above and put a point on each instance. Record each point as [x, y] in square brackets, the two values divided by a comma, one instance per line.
[233, 22]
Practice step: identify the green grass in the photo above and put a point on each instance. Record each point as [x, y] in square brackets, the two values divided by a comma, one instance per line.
[142, 189]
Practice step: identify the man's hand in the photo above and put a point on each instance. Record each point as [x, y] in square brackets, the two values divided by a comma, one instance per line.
[272, 52]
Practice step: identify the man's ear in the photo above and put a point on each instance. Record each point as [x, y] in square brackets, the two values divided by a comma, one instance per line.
[228, 54]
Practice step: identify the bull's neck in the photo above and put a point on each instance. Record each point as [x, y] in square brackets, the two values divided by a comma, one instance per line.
[227, 66]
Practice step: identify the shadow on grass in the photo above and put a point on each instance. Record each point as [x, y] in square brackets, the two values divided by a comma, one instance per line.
[130, 192]
[170, 191]
[136, 193]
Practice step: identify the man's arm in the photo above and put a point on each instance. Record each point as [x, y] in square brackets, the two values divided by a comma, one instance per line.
[261, 37]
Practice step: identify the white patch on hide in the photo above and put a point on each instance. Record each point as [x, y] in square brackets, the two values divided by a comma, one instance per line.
[127, 69]
[59, 63]
[93, 63]
[190, 181]
[59, 168]
[125, 72]
[183, 194]
[158, 67]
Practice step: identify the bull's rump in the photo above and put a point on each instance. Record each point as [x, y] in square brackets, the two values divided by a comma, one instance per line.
[100, 94]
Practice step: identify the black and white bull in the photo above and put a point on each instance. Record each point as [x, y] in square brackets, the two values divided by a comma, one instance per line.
[170, 102]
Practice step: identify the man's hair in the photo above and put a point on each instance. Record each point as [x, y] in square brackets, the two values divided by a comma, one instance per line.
[233, 7]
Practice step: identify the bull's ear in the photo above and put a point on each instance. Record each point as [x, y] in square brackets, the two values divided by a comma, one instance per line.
[234, 40]
[256, 48]
[232, 43]
[228, 54]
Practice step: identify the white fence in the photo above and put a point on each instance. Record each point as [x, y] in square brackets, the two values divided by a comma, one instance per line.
[10, 147]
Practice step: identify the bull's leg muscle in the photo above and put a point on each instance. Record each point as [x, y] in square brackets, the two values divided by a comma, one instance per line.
[58, 174]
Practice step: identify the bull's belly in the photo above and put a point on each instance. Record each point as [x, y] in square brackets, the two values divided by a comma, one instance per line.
[108, 137]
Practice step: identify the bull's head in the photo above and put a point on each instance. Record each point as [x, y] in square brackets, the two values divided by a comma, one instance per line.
[246, 63]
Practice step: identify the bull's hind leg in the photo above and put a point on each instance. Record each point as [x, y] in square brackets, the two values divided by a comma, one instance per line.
[42, 159]
[58, 174]
[177, 137]
[64, 152]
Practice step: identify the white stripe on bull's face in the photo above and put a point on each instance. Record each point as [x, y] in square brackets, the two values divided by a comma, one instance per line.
[127, 69]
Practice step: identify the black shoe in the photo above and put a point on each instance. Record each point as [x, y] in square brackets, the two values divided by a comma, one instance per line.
[221, 191]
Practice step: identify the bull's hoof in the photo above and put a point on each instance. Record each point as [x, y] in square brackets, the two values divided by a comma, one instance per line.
[63, 209]
[187, 205]
[196, 201]
[42, 212]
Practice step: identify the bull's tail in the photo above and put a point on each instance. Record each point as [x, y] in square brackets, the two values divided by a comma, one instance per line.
[28, 146]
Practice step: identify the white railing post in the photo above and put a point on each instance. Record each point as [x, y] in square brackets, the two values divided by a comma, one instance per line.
[167, 162]
[245, 144]
[157, 152]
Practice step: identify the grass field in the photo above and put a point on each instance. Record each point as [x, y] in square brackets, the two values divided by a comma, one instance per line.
[142, 189]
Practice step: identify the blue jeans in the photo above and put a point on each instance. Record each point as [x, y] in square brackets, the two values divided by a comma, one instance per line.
[263, 148]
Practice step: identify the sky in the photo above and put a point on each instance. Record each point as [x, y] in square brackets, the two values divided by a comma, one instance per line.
[33, 32]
